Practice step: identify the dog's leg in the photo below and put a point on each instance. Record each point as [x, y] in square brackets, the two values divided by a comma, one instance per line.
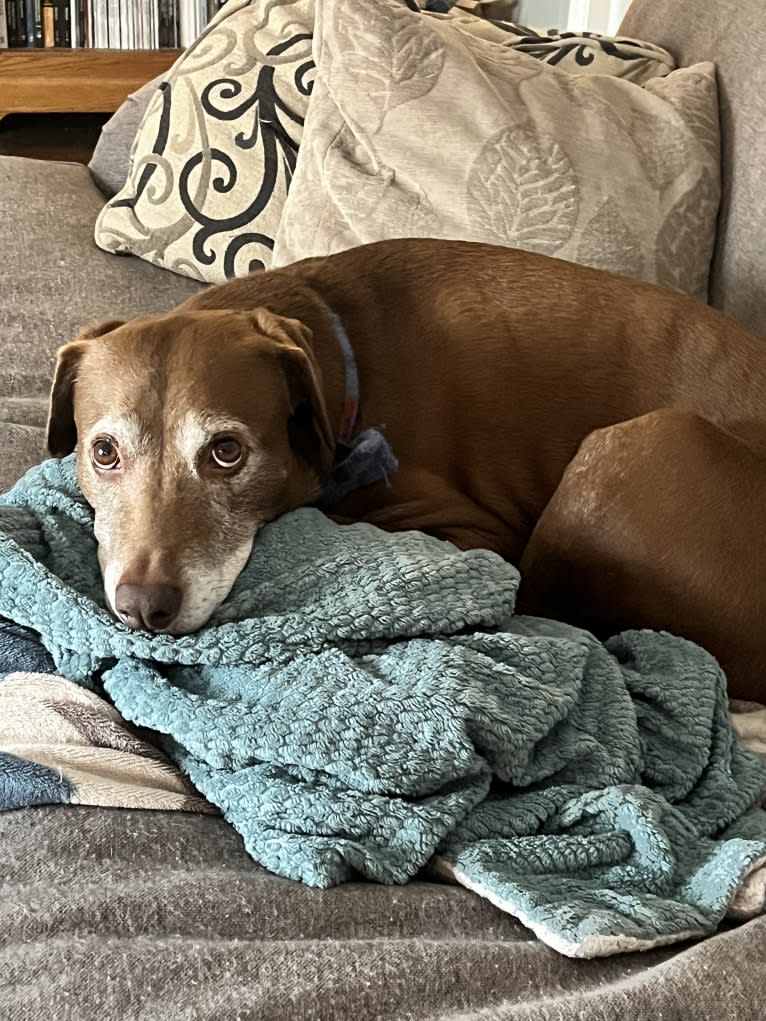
[418, 500]
[660, 522]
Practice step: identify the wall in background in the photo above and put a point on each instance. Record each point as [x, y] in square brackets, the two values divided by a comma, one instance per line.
[574, 15]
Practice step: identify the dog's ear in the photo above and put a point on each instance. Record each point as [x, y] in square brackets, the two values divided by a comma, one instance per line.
[311, 434]
[61, 430]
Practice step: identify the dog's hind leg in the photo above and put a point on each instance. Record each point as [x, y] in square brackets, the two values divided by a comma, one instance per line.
[659, 522]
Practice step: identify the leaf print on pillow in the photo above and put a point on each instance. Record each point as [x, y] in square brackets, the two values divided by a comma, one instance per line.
[522, 190]
[693, 97]
[385, 56]
[607, 242]
[668, 150]
[368, 188]
[680, 262]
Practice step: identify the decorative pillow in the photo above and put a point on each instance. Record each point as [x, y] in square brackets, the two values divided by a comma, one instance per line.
[213, 158]
[581, 52]
[420, 127]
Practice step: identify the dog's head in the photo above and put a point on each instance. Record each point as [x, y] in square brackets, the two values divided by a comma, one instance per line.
[192, 430]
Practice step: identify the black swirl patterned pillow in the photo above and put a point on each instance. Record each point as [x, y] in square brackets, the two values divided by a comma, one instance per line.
[216, 150]
[590, 53]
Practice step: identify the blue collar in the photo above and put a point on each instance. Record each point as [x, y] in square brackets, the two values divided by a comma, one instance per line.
[361, 458]
[351, 401]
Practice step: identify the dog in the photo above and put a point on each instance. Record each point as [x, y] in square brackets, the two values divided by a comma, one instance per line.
[605, 435]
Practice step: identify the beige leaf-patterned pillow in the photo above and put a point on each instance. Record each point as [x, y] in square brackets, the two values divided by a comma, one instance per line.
[419, 126]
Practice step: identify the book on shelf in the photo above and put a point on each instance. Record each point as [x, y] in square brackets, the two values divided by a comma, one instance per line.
[104, 24]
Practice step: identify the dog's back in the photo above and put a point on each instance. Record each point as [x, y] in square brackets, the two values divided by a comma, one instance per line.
[488, 366]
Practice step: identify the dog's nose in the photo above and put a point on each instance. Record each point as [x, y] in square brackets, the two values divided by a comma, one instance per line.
[151, 607]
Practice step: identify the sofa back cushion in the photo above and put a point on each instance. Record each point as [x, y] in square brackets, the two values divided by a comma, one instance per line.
[732, 33]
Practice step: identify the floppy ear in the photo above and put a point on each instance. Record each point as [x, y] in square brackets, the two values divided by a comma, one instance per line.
[62, 431]
[311, 434]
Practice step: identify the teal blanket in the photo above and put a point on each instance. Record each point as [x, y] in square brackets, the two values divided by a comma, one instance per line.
[369, 705]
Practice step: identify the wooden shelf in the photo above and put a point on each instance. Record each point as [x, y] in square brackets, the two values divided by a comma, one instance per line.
[75, 81]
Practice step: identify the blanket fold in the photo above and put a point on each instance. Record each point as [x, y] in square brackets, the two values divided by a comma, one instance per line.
[61, 744]
[369, 704]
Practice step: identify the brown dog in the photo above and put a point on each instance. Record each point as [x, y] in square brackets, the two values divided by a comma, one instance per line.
[605, 434]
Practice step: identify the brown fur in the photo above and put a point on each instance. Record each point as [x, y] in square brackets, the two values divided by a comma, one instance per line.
[488, 368]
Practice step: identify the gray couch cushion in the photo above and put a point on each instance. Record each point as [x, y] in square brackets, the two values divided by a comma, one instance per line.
[54, 279]
[111, 157]
[110, 914]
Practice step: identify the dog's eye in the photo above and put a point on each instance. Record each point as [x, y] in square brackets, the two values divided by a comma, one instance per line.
[105, 454]
[227, 452]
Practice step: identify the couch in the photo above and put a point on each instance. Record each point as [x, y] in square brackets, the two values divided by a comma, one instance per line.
[120, 914]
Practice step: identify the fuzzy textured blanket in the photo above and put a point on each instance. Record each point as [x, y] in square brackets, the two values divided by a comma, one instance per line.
[366, 703]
